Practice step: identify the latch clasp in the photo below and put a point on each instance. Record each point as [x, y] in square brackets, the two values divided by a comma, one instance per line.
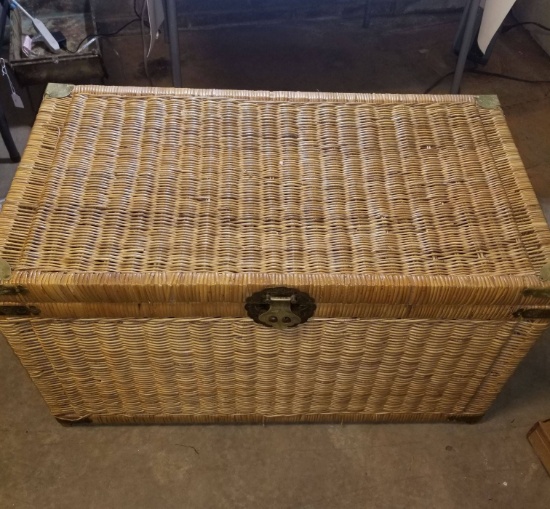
[280, 315]
[280, 308]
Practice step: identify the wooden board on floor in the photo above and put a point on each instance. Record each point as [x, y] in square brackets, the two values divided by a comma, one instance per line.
[539, 437]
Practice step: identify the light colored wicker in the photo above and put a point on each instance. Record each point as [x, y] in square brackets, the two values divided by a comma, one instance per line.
[335, 369]
[140, 220]
[152, 193]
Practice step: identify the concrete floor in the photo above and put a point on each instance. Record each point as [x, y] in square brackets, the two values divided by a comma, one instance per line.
[490, 464]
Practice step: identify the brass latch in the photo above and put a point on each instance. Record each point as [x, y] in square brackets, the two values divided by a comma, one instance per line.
[280, 308]
[280, 315]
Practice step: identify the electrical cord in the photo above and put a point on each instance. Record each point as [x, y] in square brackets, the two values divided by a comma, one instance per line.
[507, 77]
[143, 25]
[509, 27]
[137, 13]
[144, 41]
[495, 74]
[139, 17]
[485, 73]
[91, 37]
[438, 81]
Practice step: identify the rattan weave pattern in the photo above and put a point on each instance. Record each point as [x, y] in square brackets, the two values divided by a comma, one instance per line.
[237, 309]
[121, 369]
[281, 183]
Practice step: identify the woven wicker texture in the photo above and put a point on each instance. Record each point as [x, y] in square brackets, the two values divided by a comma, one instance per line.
[326, 369]
[259, 418]
[411, 216]
[134, 181]
[237, 309]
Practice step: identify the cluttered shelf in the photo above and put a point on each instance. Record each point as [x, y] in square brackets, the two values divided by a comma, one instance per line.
[35, 61]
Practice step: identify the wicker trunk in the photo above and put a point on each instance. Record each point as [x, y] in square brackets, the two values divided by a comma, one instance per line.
[174, 255]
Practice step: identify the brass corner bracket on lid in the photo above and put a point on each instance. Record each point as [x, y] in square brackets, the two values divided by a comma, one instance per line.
[58, 90]
[488, 101]
[545, 272]
[5, 270]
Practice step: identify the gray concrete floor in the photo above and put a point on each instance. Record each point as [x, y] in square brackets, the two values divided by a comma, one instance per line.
[490, 464]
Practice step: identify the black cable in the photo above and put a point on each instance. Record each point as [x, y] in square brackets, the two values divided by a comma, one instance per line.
[495, 74]
[144, 42]
[507, 77]
[509, 27]
[112, 34]
[485, 73]
[136, 9]
[139, 18]
[438, 81]
[138, 15]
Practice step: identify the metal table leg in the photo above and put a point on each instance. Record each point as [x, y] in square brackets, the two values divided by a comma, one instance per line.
[467, 40]
[8, 140]
[172, 28]
[4, 127]
[3, 19]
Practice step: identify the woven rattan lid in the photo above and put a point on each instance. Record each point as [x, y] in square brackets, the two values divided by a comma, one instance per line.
[133, 196]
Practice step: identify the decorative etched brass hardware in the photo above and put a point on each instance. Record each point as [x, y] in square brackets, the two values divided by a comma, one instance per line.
[280, 308]
[539, 293]
[58, 90]
[488, 101]
[5, 270]
[9, 310]
[280, 315]
[12, 290]
[545, 272]
[533, 314]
